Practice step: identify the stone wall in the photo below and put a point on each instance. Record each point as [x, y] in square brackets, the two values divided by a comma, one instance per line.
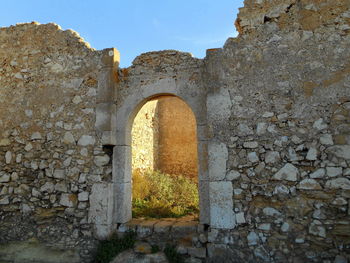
[272, 109]
[177, 138]
[145, 135]
[164, 137]
[279, 104]
[50, 152]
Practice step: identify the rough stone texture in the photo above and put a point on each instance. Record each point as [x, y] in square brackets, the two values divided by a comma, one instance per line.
[281, 86]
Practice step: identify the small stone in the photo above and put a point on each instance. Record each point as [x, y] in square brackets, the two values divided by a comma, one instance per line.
[240, 219]
[8, 157]
[261, 128]
[253, 157]
[282, 117]
[29, 113]
[202, 238]
[14, 177]
[4, 201]
[268, 114]
[28, 147]
[296, 139]
[61, 187]
[320, 173]
[338, 183]
[19, 158]
[269, 211]
[83, 196]
[142, 247]
[281, 189]
[250, 145]
[272, 157]
[59, 174]
[244, 130]
[34, 165]
[334, 171]
[198, 252]
[318, 214]
[86, 140]
[5, 178]
[68, 200]
[67, 162]
[311, 154]
[232, 175]
[319, 124]
[339, 201]
[309, 184]
[299, 240]
[289, 173]
[272, 128]
[77, 100]
[285, 227]
[36, 136]
[5, 142]
[68, 138]
[326, 139]
[101, 160]
[341, 151]
[47, 187]
[340, 259]
[317, 230]
[253, 239]
[265, 227]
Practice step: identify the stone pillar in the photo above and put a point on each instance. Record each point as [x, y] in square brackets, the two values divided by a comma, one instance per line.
[122, 183]
[220, 191]
[101, 209]
[105, 108]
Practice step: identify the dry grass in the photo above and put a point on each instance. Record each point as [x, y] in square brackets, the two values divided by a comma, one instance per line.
[158, 195]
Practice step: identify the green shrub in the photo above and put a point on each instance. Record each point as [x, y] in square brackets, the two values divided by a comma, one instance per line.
[108, 249]
[158, 195]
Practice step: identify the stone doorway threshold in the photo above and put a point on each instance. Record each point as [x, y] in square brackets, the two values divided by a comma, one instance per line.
[185, 233]
[173, 228]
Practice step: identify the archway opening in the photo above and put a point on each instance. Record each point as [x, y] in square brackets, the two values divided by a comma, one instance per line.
[164, 160]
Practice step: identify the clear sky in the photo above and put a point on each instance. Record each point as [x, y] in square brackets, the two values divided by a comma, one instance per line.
[134, 26]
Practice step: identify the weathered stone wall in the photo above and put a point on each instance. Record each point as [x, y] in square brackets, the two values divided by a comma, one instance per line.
[177, 138]
[145, 135]
[164, 137]
[50, 153]
[275, 119]
[279, 107]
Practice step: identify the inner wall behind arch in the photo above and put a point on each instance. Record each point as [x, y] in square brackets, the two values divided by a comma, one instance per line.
[164, 137]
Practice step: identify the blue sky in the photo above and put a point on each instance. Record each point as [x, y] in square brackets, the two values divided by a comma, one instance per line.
[134, 26]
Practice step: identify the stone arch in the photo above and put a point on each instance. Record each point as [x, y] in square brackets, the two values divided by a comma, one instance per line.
[125, 114]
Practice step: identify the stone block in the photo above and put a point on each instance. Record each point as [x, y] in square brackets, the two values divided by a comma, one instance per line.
[121, 164]
[198, 252]
[221, 205]
[101, 204]
[145, 228]
[288, 172]
[122, 202]
[163, 226]
[219, 106]
[103, 116]
[203, 169]
[218, 155]
[183, 228]
[204, 202]
[341, 151]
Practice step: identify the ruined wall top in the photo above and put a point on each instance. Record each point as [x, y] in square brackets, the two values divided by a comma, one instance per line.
[308, 15]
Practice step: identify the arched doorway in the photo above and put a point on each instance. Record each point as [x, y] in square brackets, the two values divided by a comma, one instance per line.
[164, 159]
[122, 156]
